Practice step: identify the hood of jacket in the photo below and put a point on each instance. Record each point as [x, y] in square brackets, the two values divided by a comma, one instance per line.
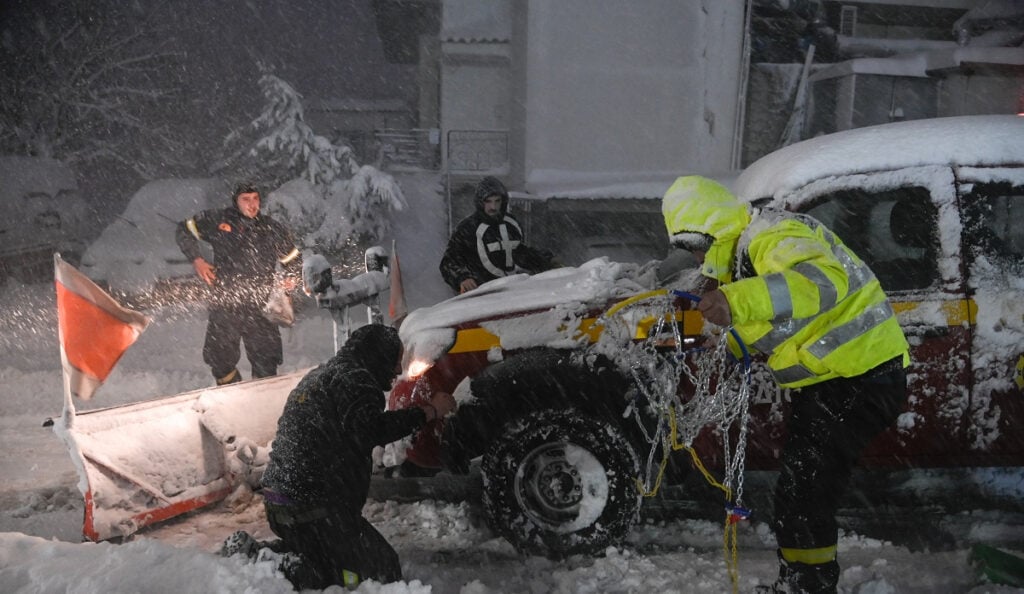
[490, 186]
[378, 349]
[695, 204]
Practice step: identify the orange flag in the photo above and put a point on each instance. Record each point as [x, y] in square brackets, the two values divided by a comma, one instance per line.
[397, 308]
[94, 329]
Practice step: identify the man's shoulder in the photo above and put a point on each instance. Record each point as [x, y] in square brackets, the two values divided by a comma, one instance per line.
[473, 219]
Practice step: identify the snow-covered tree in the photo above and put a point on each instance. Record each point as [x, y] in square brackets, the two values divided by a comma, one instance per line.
[86, 92]
[331, 201]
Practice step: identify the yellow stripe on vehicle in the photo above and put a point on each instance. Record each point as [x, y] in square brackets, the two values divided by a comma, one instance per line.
[473, 340]
[956, 311]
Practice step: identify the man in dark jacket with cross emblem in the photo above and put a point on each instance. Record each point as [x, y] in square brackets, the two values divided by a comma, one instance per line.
[488, 244]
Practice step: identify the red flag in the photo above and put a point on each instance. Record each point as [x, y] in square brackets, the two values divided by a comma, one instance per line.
[397, 308]
[94, 329]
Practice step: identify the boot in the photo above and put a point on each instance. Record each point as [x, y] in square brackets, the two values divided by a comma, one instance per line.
[243, 543]
[240, 543]
[802, 578]
[232, 377]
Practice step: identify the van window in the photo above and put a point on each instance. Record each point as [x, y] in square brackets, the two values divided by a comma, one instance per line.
[993, 230]
[894, 231]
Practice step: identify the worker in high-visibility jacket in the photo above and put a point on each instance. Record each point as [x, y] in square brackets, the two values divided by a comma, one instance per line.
[792, 290]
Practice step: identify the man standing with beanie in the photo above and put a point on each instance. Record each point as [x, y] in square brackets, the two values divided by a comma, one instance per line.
[247, 247]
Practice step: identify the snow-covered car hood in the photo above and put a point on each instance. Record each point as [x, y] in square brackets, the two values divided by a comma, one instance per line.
[429, 332]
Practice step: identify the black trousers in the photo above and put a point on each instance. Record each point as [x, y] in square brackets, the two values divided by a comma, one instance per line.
[333, 542]
[232, 324]
[829, 426]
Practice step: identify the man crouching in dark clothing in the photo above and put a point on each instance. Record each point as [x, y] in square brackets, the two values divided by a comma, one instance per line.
[318, 477]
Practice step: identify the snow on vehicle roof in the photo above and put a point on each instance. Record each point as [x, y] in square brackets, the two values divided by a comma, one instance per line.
[982, 140]
[428, 332]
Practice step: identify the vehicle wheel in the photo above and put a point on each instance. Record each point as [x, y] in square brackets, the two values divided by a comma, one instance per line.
[558, 483]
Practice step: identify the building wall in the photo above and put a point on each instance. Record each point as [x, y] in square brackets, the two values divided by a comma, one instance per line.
[475, 93]
[475, 88]
[613, 88]
[983, 92]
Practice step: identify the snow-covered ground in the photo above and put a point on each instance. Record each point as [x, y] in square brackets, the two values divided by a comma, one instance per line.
[445, 546]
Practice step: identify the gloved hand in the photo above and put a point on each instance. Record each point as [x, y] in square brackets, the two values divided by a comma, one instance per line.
[441, 403]
[715, 308]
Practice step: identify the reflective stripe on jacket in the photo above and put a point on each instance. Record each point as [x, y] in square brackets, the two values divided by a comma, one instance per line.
[814, 307]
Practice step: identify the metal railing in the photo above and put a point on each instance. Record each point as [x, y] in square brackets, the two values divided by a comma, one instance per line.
[417, 148]
[477, 150]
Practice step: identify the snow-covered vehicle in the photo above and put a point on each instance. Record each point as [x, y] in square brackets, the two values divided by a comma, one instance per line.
[44, 214]
[136, 253]
[935, 207]
[547, 408]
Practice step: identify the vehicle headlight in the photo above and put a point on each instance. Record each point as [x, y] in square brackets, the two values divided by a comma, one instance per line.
[417, 367]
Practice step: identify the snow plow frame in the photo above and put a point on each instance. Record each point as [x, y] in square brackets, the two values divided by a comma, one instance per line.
[172, 455]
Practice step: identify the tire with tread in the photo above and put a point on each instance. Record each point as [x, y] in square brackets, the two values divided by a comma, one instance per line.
[558, 483]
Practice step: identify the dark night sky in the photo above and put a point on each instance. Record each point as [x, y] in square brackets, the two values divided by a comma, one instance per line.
[326, 48]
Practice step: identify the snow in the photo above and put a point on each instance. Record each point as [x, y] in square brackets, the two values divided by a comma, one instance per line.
[429, 332]
[445, 546]
[987, 140]
[922, 64]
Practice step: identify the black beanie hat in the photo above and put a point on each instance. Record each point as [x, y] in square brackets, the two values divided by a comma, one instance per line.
[243, 188]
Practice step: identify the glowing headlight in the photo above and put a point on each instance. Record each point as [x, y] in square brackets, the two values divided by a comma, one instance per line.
[417, 367]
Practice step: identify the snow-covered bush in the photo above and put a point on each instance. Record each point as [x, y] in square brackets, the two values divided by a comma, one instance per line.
[331, 202]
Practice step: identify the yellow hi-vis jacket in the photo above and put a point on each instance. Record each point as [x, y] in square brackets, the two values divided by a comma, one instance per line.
[814, 307]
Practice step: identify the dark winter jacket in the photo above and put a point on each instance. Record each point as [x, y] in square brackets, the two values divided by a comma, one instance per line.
[322, 454]
[245, 251]
[484, 248]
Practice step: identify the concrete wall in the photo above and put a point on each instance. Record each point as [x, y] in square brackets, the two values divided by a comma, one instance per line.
[614, 88]
[475, 94]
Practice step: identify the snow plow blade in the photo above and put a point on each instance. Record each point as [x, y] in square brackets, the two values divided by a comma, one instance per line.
[146, 462]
